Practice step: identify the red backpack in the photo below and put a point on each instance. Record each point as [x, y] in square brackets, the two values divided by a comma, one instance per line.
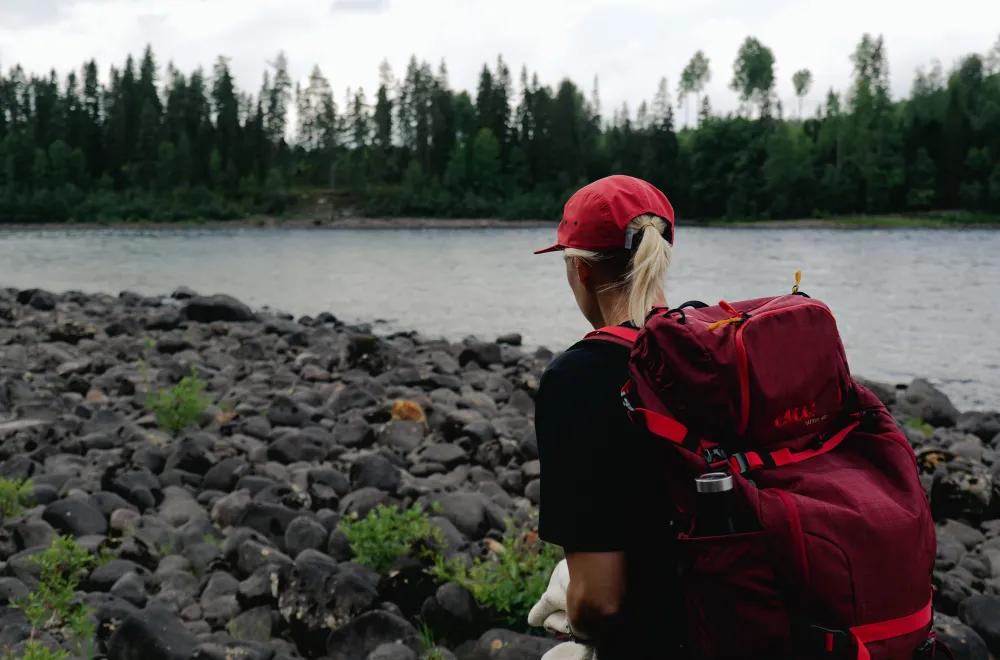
[840, 562]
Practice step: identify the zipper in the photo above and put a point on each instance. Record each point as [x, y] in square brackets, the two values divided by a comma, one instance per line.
[743, 362]
[743, 368]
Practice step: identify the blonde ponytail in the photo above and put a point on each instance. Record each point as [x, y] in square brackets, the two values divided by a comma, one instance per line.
[644, 273]
[649, 267]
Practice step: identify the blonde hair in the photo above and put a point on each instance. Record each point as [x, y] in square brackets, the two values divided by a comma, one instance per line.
[644, 273]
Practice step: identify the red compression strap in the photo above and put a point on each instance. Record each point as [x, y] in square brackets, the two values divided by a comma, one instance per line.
[627, 334]
[788, 457]
[663, 426]
[876, 632]
[654, 422]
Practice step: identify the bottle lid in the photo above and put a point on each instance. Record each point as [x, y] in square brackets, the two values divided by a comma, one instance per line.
[714, 482]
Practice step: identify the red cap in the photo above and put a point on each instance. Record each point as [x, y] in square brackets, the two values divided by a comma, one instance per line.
[596, 216]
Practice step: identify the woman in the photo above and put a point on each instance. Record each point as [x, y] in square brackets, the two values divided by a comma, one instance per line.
[602, 499]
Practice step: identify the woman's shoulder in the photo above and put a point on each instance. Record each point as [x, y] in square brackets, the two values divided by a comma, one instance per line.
[585, 364]
[579, 393]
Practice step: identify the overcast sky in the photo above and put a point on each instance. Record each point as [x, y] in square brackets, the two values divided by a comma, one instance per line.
[628, 44]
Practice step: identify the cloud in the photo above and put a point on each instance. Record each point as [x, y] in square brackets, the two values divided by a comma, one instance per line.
[360, 5]
[22, 14]
[17, 14]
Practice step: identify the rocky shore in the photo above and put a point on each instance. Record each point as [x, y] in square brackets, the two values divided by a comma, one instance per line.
[213, 514]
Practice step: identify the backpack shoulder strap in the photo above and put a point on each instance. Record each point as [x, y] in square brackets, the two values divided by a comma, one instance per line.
[614, 334]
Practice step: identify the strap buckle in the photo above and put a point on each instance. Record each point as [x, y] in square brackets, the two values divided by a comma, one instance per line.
[715, 456]
[927, 649]
[741, 462]
[832, 641]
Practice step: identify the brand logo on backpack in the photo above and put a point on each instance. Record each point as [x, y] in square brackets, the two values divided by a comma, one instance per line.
[805, 414]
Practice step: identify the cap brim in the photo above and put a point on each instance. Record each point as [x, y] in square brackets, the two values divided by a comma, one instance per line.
[551, 248]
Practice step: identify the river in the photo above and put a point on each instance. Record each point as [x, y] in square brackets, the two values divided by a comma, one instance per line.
[909, 303]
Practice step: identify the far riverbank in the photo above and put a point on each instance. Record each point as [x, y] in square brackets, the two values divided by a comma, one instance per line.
[937, 221]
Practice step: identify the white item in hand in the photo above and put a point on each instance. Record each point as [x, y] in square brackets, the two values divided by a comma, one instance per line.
[550, 613]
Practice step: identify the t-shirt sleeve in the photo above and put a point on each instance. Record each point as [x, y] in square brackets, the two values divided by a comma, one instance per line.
[584, 492]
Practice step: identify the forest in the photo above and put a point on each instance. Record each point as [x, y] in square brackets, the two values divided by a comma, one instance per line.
[162, 145]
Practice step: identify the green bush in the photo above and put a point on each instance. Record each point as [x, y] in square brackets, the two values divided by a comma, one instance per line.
[387, 534]
[511, 579]
[177, 406]
[35, 650]
[14, 496]
[53, 604]
[920, 425]
[506, 583]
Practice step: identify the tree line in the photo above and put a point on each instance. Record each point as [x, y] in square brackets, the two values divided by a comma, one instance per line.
[164, 146]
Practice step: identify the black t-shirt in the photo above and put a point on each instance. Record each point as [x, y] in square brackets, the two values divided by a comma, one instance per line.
[602, 490]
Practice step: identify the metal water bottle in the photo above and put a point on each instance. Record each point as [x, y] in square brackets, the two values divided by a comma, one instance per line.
[714, 508]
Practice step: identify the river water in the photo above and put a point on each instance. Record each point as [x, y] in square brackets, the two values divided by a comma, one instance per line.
[909, 303]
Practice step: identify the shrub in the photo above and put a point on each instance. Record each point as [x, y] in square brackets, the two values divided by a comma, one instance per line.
[35, 650]
[14, 496]
[177, 406]
[387, 534]
[512, 578]
[506, 583]
[920, 425]
[53, 604]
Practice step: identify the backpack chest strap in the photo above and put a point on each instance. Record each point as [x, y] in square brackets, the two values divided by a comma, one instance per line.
[751, 460]
[676, 432]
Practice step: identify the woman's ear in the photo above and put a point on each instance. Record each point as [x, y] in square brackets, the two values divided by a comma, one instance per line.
[585, 273]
